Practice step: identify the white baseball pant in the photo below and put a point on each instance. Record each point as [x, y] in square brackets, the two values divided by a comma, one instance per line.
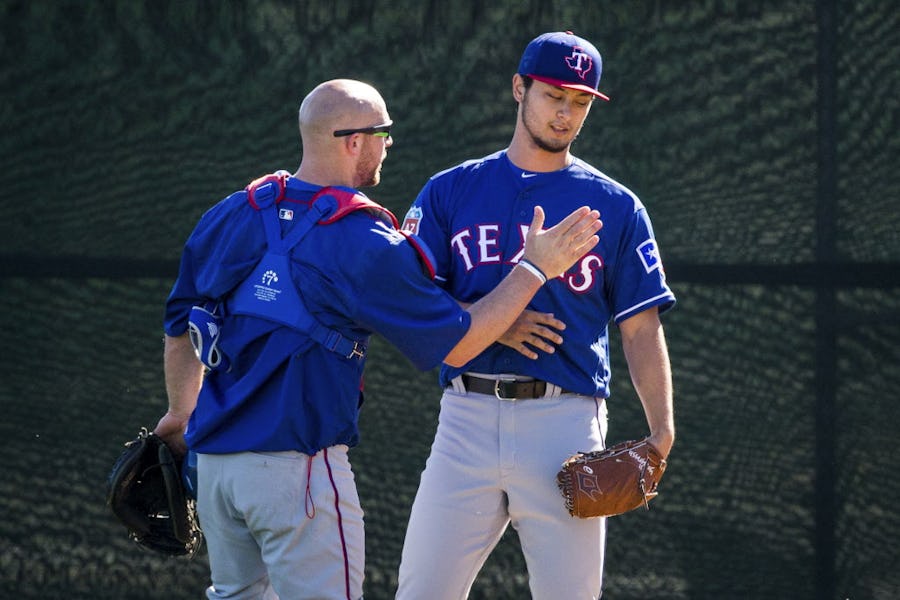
[281, 524]
[494, 462]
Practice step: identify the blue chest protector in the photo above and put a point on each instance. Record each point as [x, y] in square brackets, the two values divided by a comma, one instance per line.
[269, 291]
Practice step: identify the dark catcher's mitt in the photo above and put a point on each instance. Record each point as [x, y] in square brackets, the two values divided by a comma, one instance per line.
[146, 493]
[613, 481]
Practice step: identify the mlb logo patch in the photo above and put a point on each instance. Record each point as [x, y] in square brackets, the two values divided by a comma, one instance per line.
[649, 256]
[285, 214]
[411, 222]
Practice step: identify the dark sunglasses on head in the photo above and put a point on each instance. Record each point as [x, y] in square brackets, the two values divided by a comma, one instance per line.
[383, 130]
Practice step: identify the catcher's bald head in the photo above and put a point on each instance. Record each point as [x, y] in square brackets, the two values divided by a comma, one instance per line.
[353, 160]
[339, 104]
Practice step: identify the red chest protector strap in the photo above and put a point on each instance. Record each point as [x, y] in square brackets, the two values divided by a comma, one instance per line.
[338, 201]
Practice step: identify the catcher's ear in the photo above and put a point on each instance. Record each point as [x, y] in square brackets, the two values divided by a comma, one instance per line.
[352, 144]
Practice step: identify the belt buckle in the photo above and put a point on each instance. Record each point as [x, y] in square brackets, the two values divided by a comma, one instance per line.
[497, 383]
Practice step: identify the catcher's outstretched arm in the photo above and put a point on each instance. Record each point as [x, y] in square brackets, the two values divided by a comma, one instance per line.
[532, 331]
[184, 376]
[645, 350]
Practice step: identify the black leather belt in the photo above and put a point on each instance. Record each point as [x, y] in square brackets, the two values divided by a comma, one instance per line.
[506, 389]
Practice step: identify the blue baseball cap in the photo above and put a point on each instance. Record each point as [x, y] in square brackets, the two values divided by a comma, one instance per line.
[565, 60]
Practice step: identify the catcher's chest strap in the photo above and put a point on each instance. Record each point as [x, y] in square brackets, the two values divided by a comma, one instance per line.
[507, 388]
[269, 291]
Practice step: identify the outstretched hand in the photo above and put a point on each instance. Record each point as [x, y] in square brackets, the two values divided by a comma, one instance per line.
[556, 249]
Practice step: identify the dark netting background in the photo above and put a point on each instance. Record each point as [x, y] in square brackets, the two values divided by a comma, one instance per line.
[761, 135]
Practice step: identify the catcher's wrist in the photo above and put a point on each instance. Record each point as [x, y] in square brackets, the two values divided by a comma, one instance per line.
[178, 415]
[533, 269]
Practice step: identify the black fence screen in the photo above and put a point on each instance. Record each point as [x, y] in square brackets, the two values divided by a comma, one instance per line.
[761, 135]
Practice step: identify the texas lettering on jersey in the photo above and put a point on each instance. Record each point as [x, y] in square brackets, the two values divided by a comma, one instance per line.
[479, 246]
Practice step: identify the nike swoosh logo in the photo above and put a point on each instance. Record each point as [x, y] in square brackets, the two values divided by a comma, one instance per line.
[527, 175]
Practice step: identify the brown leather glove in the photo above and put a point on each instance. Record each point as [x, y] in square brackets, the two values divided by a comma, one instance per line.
[613, 481]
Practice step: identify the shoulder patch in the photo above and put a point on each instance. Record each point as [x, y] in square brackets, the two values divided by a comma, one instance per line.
[649, 256]
[412, 220]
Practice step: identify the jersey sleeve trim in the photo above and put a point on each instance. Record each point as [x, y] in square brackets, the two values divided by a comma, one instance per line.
[665, 298]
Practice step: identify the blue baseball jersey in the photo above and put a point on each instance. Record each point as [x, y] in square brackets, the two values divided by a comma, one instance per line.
[283, 391]
[474, 217]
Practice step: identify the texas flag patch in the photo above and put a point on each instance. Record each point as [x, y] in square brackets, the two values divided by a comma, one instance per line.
[650, 256]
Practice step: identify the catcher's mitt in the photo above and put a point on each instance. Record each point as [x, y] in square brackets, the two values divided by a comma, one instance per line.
[613, 481]
[146, 493]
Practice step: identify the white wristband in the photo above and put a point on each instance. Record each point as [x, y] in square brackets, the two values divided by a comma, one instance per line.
[533, 269]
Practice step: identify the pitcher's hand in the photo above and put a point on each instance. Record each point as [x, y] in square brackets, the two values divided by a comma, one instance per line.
[533, 330]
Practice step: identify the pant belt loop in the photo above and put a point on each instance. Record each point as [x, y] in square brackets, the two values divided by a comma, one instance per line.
[552, 391]
[458, 386]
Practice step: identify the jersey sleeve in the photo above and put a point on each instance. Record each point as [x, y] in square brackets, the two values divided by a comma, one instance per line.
[640, 280]
[396, 299]
[412, 313]
[181, 298]
[220, 252]
[426, 220]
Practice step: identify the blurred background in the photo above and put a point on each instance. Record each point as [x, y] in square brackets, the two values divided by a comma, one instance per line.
[760, 134]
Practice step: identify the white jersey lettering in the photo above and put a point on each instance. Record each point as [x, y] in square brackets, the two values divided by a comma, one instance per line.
[459, 244]
[486, 241]
[523, 231]
[583, 279]
[580, 278]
